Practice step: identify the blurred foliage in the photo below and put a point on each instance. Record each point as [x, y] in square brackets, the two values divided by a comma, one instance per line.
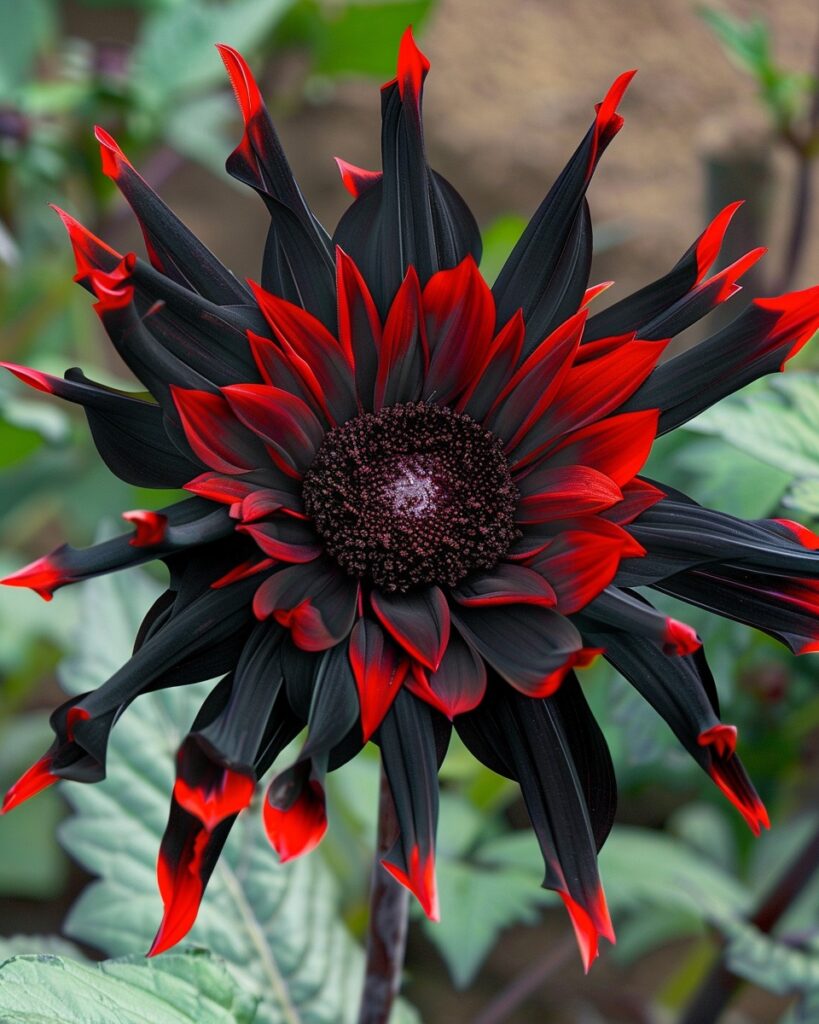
[786, 94]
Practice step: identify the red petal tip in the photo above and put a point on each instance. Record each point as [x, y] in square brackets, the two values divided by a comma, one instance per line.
[807, 538]
[356, 179]
[412, 67]
[150, 527]
[710, 241]
[591, 293]
[420, 881]
[34, 378]
[722, 737]
[748, 804]
[680, 638]
[230, 794]
[42, 576]
[37, 778]
[299, 828]
[244, 84]
[588, 930]
[181, 888]
[110, 153]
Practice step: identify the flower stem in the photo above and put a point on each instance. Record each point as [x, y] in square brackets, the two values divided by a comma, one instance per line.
[386, 940]
[720, 985]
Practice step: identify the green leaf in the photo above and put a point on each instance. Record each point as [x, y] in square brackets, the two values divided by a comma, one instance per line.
[21, 945]
[162, 71]
[26, 30]
[177, 989]
[671, 874]
[499, 239]
[769, 962]
[777, 423]
[477, 903]
[276, 927]
[361, 38]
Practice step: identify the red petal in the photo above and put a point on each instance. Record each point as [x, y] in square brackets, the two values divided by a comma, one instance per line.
[608, 122]
[420, 881]
[213, 804]
[150, 527]
[617, 446]
[355, 179]
[218, 487]
[309, 342]
[379, 669]
[242, 572]
[589, 392]
[798, 320]
[284, 538]
[505, 584]
[359, 325]
[807, 538]
[587, 931]
[458, 685]
[710, 241]
[579, 565]
[37, 778]
[43, 576]
[637, 497]
[412, 68]
[241, 78]
[300, 827]
[746, 802]
[418, 620]
[680, 638]
[564, 491]
[591, 293]
[535, 385]
[110, 153]
[317, 603]
[459, 312]
[499, 364]
[181, 889]
[404, 352]
[722, 737]
[90, 252]
[283, 421]
[214, 433]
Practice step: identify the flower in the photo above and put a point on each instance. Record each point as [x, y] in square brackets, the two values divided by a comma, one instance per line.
[415, 503]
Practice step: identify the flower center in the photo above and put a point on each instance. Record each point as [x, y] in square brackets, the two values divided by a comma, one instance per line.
[415, 494]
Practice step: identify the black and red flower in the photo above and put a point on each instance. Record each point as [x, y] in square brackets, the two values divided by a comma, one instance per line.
[415, 503]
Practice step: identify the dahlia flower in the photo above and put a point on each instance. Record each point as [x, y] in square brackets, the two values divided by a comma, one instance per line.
[416, 503]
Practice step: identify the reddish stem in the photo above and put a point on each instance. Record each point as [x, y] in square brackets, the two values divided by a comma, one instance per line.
[387, 937]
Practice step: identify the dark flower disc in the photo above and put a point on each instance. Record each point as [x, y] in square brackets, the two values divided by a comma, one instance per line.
[415, 494]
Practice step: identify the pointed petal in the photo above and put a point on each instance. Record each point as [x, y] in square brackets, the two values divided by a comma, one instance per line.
[532, 648]
[459, 313]
[404, 350]
[298, 263]
[760, 341]
[173, 248]
[507, 583]
[459, 683]
[281, 420]
[411, 757]
[418, 620]
[359, 326]
[379, 668]
[316, 602]
[305, 337]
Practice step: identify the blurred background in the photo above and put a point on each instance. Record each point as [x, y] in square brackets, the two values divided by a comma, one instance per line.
[724, 107]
